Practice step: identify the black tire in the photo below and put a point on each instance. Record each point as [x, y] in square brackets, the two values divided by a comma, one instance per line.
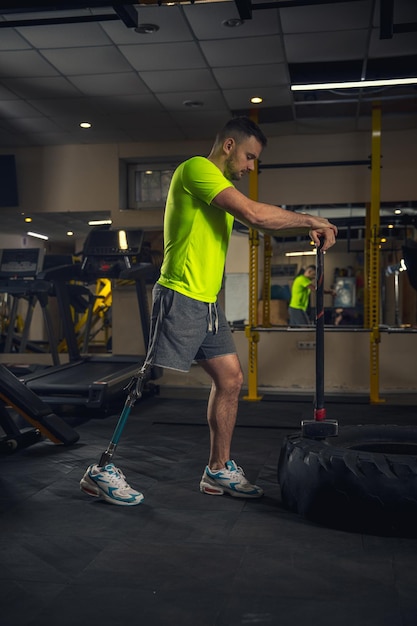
[364, 479]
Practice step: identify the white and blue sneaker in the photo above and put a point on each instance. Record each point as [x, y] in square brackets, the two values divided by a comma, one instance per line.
[229, 480]
[109, 483]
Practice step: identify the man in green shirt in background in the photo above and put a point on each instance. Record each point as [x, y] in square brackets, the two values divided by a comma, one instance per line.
[300, 297]
[301, 288]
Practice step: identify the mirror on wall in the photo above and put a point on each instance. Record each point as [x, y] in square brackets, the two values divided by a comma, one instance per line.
[345, 266]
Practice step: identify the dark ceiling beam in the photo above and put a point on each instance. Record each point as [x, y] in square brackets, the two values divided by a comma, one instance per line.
[244, 8]
[46, 21]
[17, 6]
[409, 27]
[286, 4]
[122, 11]
[386, 19]
[127, 14]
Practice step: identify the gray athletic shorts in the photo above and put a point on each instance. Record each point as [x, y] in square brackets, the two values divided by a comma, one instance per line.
[298, 317]
[184, 330]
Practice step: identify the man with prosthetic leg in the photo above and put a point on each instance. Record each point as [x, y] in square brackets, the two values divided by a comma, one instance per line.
[187, 322]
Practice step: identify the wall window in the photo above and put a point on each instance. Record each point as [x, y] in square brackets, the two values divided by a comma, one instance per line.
[147, 184]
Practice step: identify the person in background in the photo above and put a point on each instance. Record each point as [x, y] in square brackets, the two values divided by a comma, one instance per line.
[187, 322]
[301, 289]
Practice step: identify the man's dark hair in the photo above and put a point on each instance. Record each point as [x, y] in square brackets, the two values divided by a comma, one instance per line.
[241, 128]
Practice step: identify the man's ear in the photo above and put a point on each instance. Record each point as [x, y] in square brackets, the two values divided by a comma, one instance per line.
[228, 145]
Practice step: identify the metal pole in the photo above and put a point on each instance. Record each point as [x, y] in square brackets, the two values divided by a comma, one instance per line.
[266, 291]
[251, 334]
[374, 256]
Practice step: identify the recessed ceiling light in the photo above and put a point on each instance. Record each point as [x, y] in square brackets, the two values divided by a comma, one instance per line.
[147, 29]
[28, 219]
[70, 233]
[256, 100]
[85, 124]
[233, 22]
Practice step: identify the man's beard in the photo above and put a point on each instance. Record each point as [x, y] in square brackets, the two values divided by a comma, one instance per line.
[230, 172]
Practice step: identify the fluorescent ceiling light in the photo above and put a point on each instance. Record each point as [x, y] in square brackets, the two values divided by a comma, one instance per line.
[99, 222]
[306, 253]
[37, 235]
[357, 84]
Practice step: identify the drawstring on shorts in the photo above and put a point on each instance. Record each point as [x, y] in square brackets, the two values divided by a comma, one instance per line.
[213, 318]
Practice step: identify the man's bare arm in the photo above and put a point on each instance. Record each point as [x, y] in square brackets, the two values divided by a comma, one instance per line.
[272, 219]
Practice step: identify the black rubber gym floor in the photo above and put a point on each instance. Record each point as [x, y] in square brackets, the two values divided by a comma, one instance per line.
[183, 558]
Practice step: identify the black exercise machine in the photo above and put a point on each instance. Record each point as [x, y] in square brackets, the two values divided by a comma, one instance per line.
[19, 278]
[16, 398]
[96, 381]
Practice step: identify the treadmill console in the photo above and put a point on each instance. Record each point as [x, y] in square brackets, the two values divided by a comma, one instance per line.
[20, 263]
[108, 252]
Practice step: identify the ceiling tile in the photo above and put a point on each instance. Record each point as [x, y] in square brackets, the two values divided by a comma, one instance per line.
[254, 75]
[6, 94]
[78, 107]
[326, 17]
[343, 45]
[195, 118]
[24, 63]
[64, 35]
[401, 44]
[175, 101]
[165, 81]
[37, 125]
[134, 122]
[206, 21]
[94, 60]
[47, 87]
[109, 135]
[13, 108]
[9, 139]
[157, 133]
[11, 40]
[108, 84]
[165, 56]
[126, 104]
[230, 52]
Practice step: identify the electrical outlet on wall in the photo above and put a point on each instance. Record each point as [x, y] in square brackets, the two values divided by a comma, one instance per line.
[306, 345]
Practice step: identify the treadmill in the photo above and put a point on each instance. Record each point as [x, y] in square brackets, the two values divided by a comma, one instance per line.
[19, 279]
[96, 381]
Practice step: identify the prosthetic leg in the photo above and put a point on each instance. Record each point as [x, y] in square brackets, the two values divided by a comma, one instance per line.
[105, 480]
[134, 392]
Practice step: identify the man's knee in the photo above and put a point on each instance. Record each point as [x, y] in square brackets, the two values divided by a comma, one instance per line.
[232, 383]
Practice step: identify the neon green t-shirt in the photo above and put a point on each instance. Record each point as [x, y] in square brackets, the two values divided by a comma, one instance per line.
[300, 293]
[196, 234]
